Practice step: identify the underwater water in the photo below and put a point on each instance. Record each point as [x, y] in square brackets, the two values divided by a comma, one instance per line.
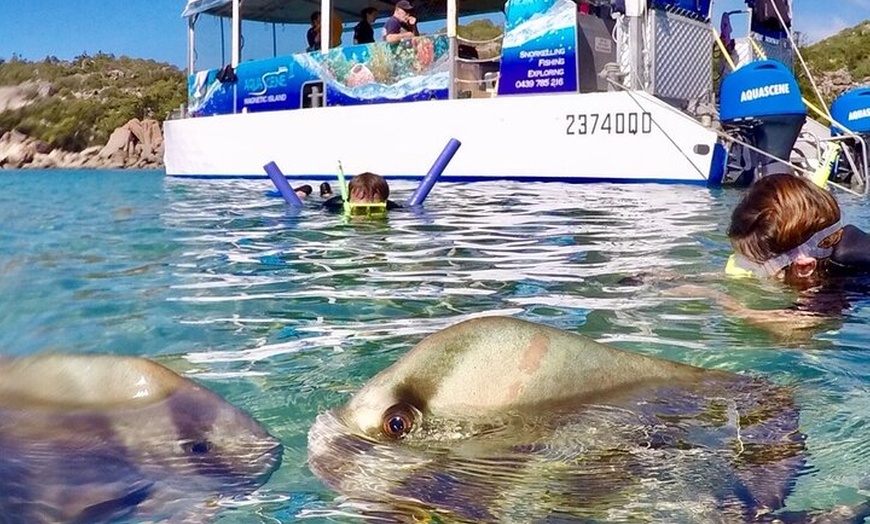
[286, 313]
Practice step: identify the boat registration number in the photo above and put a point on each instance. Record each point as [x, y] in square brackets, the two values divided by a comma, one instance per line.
[632, 123]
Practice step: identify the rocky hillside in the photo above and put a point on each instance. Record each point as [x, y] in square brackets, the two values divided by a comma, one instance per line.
[93, 111]
[838, 63]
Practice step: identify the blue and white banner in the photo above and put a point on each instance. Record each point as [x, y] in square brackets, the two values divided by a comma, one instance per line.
[539, 53]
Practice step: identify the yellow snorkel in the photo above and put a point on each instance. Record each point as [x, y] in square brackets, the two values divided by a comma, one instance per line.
[826, 166]
[733, 270]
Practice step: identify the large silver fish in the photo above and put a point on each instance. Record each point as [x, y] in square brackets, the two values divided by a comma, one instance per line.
[97, 438]
[501, 420]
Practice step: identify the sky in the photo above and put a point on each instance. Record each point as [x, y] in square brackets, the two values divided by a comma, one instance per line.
[35, 29]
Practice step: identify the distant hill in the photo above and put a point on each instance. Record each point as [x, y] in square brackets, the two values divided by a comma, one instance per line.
[72, 105]
[837, 63]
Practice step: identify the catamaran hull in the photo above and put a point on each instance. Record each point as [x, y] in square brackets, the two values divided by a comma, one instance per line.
[590, 137]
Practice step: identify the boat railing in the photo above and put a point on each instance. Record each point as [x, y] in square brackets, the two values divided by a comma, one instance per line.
[476, 76]
[852, 167]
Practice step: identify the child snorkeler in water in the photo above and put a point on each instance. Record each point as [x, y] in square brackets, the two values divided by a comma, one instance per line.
[788, 229]
[368, 194]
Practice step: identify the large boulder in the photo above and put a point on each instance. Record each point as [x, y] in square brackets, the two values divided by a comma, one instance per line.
[16, 150]
[136, 144]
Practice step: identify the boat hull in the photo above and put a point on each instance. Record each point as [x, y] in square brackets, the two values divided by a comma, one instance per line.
[578, 137]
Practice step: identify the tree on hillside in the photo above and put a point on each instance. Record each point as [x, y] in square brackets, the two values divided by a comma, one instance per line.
[88, 97]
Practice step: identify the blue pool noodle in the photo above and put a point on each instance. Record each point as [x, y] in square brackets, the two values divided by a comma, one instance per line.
[281, 183]
[435, 171]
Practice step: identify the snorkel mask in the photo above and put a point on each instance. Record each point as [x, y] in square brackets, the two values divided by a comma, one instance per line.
[739, 265]
[374, 209]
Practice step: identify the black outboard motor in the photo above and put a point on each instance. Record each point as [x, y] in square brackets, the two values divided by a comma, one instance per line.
[760, 105]
[852, 110]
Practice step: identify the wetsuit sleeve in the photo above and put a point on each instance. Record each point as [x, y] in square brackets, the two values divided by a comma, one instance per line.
[852, 252]
[334, 204]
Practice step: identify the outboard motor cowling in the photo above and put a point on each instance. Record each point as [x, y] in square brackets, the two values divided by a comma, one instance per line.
[851, 109]
[761, 104]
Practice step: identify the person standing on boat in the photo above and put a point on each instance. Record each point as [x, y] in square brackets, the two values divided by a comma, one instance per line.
[402, 25]
[314, 32]
[363, 33]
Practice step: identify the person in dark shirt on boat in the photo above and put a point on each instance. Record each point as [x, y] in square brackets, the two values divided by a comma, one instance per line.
[363, 33]
[314, 33]
[402, 25]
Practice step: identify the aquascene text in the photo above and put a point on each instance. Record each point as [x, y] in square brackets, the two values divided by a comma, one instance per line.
[764, 92]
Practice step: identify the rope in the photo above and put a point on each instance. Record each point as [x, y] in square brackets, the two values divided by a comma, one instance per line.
[477, 60]
[631, 94]
[479, 42]
[470, 81]
[730, 138]
[801, 58]
[724, 49]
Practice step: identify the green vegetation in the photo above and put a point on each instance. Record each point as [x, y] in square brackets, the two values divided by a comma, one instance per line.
[481, 30]
[76, 104]
[846, 54]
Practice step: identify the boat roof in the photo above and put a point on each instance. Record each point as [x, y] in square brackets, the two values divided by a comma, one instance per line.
[299, 11]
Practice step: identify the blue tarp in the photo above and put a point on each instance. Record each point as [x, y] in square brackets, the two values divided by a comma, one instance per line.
[766, 16]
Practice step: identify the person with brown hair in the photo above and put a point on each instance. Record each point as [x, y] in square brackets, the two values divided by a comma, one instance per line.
[365, 189]
[368, 188]
[788, 229]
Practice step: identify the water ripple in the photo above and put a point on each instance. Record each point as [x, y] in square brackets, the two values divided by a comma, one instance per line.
[286, 312]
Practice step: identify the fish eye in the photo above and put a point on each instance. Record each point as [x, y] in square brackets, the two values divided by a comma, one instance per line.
[398, 421]
[198, 447]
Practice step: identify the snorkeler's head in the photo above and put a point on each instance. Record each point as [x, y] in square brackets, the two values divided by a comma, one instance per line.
[777, 223]
[368, 188]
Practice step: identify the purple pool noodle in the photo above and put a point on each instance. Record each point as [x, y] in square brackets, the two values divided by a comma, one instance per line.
[281, 183]
[434, 172]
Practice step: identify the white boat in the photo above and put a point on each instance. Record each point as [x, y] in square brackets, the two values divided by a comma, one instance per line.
[623, 93]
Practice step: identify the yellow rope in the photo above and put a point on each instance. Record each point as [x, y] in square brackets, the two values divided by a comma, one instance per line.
[724, 50]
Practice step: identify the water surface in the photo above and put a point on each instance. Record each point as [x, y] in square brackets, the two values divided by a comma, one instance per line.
[287, 313]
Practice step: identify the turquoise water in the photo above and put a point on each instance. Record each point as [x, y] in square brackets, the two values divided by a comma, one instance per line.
[286, 314]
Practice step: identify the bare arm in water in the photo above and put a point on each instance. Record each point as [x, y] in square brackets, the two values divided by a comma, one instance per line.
[788, 323]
